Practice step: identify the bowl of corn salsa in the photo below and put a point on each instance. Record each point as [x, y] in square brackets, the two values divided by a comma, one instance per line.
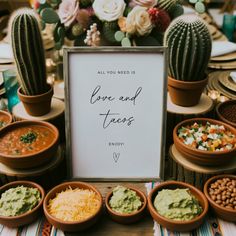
[27, 144]
[205, 141]
[5, 119]
[73, 206]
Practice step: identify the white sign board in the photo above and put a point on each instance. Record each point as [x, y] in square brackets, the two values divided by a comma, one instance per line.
[115, 112]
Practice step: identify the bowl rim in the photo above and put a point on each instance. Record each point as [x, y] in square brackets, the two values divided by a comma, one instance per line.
[8, 114]
[141, 209]
[205, 189]
[24, 123]
[64, 185]
[181, 184]
[216, 153]
[19, 183]
[219, 114]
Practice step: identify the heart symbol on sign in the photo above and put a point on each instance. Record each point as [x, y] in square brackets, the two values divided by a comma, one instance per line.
[116, 156]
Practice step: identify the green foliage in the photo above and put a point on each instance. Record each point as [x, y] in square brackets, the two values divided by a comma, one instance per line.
[29, 53]
[109, 29]
[49, 16]
[189, 48]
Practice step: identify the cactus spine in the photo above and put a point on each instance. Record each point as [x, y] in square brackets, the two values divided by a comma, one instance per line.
[167, 4]
[189, 43]
[29, 53]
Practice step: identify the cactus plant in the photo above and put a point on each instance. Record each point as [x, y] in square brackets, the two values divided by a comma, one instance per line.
[29, 53]
[167, 4]
[189, 43]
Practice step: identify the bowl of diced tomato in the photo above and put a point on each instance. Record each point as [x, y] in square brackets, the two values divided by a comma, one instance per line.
[205, 141]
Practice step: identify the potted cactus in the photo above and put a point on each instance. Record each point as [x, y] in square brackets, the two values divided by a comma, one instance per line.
[189, 47]
[27, 45]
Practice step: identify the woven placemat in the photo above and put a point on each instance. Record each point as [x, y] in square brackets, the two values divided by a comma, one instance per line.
[228, 83]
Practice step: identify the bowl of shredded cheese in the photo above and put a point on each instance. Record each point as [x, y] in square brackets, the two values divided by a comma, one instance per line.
[73, 206]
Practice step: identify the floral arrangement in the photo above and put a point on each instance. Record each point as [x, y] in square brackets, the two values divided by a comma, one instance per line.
[110, 22]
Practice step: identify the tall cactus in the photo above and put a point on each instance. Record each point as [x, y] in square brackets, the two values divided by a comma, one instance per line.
[189, 43]
[29, 52]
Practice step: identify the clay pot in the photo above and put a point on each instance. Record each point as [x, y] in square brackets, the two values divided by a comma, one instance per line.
[127, 218]
[29, 216]
[36, 105]
[220, 211]
[71, 226]
[226, 110]
[5, 117]
[201, 157]
[185, 93]
[175, 225]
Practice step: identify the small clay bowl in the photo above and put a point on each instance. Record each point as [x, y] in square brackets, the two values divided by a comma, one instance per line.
[230, 106]
[201, 157]
[34, 159]
[5, 117]
[28, 217]
[127, 218]
[220, 211]
[70, 226]
[174, 225]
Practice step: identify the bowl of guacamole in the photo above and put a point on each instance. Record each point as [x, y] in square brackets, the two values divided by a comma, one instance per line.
[126, 205]
[177, 206]
[20, 203]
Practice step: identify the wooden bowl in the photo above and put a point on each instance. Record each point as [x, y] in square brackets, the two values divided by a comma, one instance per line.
[220, 111]
[221, 212]
[127, 218]
[201, 157]
[174, 225]
[34, 159]
[69, 225]
[5, 117]
[28, 217]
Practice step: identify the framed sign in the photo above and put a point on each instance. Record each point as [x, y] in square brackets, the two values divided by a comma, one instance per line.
[115, 112]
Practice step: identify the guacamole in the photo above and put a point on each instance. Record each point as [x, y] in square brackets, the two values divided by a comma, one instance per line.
[124, 200]
[16, 201]
[178, 204]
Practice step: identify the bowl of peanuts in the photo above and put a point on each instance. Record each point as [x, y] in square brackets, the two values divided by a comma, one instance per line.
[220, 191]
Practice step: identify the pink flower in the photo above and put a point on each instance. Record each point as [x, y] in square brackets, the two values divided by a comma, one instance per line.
[143, 3]
[67, 11]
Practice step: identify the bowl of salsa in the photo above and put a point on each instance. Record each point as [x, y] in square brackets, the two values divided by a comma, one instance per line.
[5, 118]
[27, 144]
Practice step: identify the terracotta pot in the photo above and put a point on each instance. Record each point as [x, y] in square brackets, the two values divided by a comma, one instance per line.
[34, 159]
[201, 157]
[231, 111]
[29, 216]
[175, 225]
[220, 211]
[185, 93]
[5, 117]
[71, 226]
[36, 105]
[127, 218]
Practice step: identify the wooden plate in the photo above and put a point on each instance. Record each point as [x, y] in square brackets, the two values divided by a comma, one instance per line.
[216, 35]
[223, 65]
[227, 82]
[227, 57]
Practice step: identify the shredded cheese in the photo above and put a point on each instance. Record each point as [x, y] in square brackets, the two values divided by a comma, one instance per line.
[74, 204]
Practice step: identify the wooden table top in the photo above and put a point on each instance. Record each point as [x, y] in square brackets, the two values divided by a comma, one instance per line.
[106, 227]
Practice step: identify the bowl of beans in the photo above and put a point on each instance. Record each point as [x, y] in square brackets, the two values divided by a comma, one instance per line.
[220, 191]
[226, 111]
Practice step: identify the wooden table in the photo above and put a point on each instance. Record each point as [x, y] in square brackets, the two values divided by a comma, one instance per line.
[106, 227]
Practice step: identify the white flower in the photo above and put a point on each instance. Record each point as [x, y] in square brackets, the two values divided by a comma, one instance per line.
[67, 11]
[138, 21]
[108, 10]
[143, 3]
